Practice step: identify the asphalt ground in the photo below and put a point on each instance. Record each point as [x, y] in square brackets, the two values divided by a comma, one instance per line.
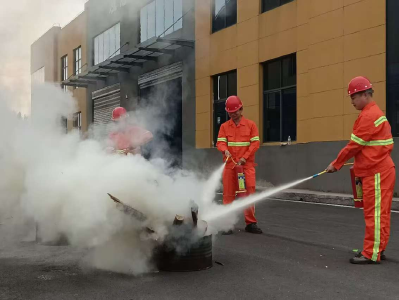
[303, 254]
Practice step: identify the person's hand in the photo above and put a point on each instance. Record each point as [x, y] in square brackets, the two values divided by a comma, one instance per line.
[331, 169]
[227, 153]
[242, 161]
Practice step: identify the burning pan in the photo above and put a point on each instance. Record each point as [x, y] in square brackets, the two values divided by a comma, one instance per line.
[197, 257]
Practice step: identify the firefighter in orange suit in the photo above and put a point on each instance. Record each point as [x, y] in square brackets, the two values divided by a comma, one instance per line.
[239, 139]
[371, 144]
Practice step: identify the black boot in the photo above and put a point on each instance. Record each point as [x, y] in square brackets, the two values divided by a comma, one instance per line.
[382, 255]
[359, 259]
[253, 228]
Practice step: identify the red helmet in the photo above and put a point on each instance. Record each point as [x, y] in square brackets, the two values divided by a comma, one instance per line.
[359, 84]
[233, 104]
[118, 113]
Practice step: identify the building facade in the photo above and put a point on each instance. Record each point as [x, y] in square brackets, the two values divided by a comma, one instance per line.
[57, 56]
[141, 56]
[290, 62]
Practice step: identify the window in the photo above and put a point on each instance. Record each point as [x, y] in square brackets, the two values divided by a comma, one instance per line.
[224, 86]
[77, 121]
[392, 61]
[64, 70]
[224, 14]
[77, 68]
[272, 4]
[160, 16]
[107, 44]
[279, 102]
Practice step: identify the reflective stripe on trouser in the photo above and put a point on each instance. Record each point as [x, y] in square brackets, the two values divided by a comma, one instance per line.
[377, 201]
[230, 186]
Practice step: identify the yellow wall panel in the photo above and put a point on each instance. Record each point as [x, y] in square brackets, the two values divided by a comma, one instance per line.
[202, 48]
[318, 7]
[302, 85]
[202, 68]
[277, 45]
[326, 78]
[373, 9]
[327, 104]
[248, 31]
[252, 113]
[203, 121]
[380, 96]
[349, 2]
[304, 109]
[349, 121]
[224, 61]
[303, 37]
[326, 129]
[224, 39]
[278, 20]
[303, 11]
[202, 19]
[365, 43]
[248, 54]
[303, 131]
[247, 9]
[373, 67]
[326, 53]
[348, 107]
[302, 60]
[326, 26]
[203, 87]
[203, 139]
[249, 95]
[248, 76]
[203, 104]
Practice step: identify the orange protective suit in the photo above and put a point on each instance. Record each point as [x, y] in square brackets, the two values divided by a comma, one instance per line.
[371, 144]
[131, 138]
[242, 141]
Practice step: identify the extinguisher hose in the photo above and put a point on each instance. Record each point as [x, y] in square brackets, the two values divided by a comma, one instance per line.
[324, 172]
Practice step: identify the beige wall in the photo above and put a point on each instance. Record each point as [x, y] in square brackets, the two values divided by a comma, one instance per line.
[71, 37]
[332, 44]
[44, 54]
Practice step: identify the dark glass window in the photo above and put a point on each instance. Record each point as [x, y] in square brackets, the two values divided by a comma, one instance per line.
[272, 4]
[224, 14]
[279, 104]
[224, 86]
[392, 65]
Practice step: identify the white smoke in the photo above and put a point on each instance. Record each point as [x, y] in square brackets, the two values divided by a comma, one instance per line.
[60, 182]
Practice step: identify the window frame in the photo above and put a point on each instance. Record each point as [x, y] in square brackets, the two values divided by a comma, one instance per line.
[77, 66]
[77, 121]
[222, 100]
[112, 31]
[263, 10]
[214, 30]
[64, 70]
[176, 9]
[279, 90]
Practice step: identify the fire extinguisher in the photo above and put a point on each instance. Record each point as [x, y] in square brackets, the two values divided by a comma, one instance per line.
[357, 189]
[242, 189]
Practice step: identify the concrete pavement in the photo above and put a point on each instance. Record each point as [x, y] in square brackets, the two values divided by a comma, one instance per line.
[303, 254]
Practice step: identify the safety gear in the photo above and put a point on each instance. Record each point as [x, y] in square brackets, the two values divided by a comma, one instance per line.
[359, 84]
[241, 191]
[118, 113]
[240, 140]
[371, 144]
[357, 189]
[359, 259]
[253, 228]
[383, 256]
[131, 138]
[233, 104]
